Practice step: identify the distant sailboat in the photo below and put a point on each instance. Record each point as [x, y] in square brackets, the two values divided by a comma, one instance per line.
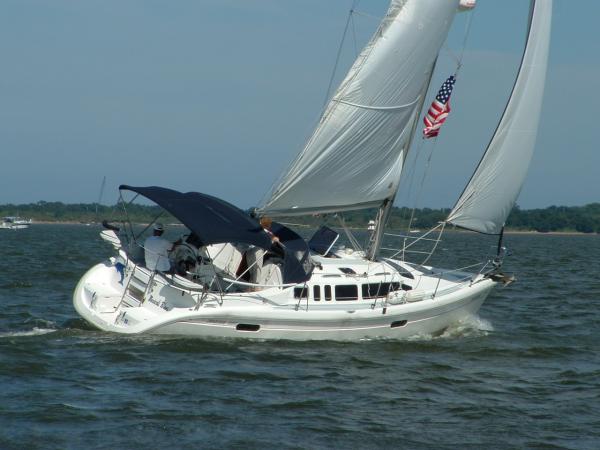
[232, 277]
[102, 186]
[97, 204]
[14, 223]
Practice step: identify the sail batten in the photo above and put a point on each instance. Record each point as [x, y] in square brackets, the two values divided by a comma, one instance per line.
[354, 158]
[380, 108]
[496, 183]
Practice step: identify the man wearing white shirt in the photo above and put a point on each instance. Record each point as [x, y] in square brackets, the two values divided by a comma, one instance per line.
[156, 250]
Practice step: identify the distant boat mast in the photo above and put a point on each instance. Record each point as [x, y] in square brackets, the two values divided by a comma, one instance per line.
[101, 194]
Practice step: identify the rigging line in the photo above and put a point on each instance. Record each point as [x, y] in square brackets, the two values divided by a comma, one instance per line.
[275, 183]
[420, 192]
[354, 38]
[271, 190]
[128, 221]
[364, 14]
[459, 59]
[439, 238]
[411, 174]
[453, 56]
[349, 234]
[420, 238]
[149, 225]
[467, 32]
[339, 53]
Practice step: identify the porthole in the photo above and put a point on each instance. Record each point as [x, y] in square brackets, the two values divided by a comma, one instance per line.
[247, 327]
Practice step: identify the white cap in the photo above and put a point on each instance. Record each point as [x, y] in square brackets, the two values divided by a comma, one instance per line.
[159, 227]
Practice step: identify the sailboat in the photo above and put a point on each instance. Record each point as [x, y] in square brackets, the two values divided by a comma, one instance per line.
[14, 223]
[233, 276]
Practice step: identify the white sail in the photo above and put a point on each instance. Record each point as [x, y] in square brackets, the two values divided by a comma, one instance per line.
[354, 158]
[492, 191]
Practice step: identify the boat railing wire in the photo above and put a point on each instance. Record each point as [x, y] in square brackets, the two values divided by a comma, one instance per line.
[192, 290]
[467, 278]
[409, 241]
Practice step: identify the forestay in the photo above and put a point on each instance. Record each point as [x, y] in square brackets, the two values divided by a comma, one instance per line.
[492, 191]
[354, 158]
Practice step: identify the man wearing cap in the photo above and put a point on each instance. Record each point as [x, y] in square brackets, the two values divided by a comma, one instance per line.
[156, 250]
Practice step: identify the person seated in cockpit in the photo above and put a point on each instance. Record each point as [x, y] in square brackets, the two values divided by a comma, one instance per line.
[157, 249]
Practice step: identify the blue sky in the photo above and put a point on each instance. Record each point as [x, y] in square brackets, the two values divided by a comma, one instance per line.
[218, 96]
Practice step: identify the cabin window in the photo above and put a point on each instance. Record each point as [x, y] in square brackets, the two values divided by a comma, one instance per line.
[301, 292]
[374, 290]
[327, 293]
[317, 293]
[346, 292]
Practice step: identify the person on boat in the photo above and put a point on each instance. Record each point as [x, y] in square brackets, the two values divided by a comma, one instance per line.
[253, 257]
[277, 247]
[266, 223]
[156, 250]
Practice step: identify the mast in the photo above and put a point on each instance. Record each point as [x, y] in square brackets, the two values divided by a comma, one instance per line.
[377, 238]
[386, 208]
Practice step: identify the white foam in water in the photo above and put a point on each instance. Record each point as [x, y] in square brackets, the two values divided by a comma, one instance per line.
[470, 325]
[35, 332]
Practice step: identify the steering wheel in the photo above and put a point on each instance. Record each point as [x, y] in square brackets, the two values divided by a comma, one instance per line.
[184, 257]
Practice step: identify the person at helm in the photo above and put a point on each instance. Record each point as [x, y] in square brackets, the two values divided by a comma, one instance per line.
[156, 250]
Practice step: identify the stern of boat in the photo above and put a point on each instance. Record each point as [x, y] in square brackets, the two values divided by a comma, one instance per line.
[99, 292]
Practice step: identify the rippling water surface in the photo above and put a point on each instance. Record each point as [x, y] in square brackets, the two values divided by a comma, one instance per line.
[525, 373]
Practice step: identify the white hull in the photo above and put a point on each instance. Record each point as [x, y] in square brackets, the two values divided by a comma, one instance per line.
[10, 226]
[272, 313]
[14, 223]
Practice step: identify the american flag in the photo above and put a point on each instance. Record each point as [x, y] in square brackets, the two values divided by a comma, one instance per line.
[439, 109]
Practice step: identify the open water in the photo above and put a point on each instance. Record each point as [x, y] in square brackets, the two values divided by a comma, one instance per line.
[525, 373]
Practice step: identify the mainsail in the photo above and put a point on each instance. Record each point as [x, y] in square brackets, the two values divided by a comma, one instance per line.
[492, 191]
[355, 156]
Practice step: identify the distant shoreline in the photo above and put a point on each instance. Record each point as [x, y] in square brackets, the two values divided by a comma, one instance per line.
[551, 220]
[515, 232]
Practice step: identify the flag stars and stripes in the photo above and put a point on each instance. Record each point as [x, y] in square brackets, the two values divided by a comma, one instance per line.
[439, 109]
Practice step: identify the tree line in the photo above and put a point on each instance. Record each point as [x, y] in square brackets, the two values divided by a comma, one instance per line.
[584, 219]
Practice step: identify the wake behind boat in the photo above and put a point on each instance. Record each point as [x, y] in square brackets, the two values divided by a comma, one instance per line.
[230, 275]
